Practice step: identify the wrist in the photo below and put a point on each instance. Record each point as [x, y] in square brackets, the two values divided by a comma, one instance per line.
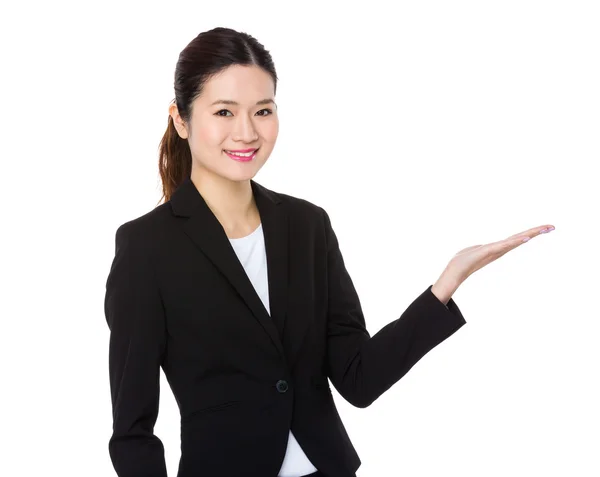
[444, 288]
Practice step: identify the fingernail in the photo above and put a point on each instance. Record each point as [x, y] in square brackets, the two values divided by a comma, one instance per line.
[526, 239]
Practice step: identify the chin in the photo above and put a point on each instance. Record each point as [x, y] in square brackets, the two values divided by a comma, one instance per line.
[240, 176]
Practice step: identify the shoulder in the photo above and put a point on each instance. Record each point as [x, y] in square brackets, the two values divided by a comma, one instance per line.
[300, 207]
[310, 216]
[142, 229]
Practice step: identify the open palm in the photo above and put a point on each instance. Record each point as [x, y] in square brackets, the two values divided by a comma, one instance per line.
[471, 259]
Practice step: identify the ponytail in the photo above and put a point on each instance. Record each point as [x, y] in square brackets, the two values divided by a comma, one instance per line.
[174, 161]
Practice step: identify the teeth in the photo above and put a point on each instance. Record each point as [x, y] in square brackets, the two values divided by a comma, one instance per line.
[245, 154]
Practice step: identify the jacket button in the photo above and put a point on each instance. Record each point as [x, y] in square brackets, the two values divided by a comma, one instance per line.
[282, 386]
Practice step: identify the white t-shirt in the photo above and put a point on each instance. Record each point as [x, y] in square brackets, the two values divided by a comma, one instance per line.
[251, 253]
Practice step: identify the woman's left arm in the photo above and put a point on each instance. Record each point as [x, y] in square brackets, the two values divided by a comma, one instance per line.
[362, 367]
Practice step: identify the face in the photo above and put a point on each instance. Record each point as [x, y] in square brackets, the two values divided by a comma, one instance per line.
[246, 120]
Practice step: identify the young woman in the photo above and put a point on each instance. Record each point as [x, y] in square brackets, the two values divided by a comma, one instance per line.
[241, 295]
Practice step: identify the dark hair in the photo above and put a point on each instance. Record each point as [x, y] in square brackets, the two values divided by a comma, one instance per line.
[204, 57]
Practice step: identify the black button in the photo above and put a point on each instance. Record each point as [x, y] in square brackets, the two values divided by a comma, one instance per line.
[282, 386]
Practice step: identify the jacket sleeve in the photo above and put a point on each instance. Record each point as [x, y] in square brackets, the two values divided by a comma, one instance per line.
[362, 367]
[135, 317]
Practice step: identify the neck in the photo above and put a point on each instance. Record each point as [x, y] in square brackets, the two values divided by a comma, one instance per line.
[232, 202]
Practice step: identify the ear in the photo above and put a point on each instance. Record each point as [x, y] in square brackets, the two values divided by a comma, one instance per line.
[179, 123]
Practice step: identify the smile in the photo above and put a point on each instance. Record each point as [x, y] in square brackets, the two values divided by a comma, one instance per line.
[242, 156]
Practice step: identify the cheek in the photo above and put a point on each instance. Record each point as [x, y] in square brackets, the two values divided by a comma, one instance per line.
[270, 131]
[210, 135]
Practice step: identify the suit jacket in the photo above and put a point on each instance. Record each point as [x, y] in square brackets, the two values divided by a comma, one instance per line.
[177, 297]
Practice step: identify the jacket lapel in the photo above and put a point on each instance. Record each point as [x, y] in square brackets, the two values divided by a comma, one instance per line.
[206, 232]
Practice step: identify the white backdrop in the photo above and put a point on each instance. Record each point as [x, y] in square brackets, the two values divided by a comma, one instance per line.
[421, 127]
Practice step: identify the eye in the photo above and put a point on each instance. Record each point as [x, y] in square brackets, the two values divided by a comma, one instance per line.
[227, 111]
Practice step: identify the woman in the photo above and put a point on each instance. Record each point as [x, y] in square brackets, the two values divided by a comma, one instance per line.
[241, 295]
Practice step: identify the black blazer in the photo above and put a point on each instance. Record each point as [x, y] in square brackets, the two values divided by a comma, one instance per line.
[177, 297]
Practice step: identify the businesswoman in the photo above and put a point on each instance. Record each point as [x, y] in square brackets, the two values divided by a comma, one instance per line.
[241, 296]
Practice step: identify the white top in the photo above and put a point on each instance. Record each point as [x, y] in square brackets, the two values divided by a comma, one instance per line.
[251, 253]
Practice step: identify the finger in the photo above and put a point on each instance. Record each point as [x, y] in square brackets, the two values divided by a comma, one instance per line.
[497, 249]
[530, 232]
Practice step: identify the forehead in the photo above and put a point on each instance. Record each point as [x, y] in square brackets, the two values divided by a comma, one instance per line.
[243, 84]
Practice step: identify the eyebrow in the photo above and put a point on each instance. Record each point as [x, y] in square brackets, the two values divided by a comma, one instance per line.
[229, 101]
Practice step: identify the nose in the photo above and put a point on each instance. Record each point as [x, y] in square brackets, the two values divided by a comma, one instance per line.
[244, 129]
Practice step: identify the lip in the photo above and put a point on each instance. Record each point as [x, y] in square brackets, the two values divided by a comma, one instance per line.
[242, 150]
[243, 159]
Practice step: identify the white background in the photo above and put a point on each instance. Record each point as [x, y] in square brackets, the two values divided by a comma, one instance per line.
[421, 127]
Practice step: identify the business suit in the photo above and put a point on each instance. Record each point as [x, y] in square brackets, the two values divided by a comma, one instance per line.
[178, 298]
